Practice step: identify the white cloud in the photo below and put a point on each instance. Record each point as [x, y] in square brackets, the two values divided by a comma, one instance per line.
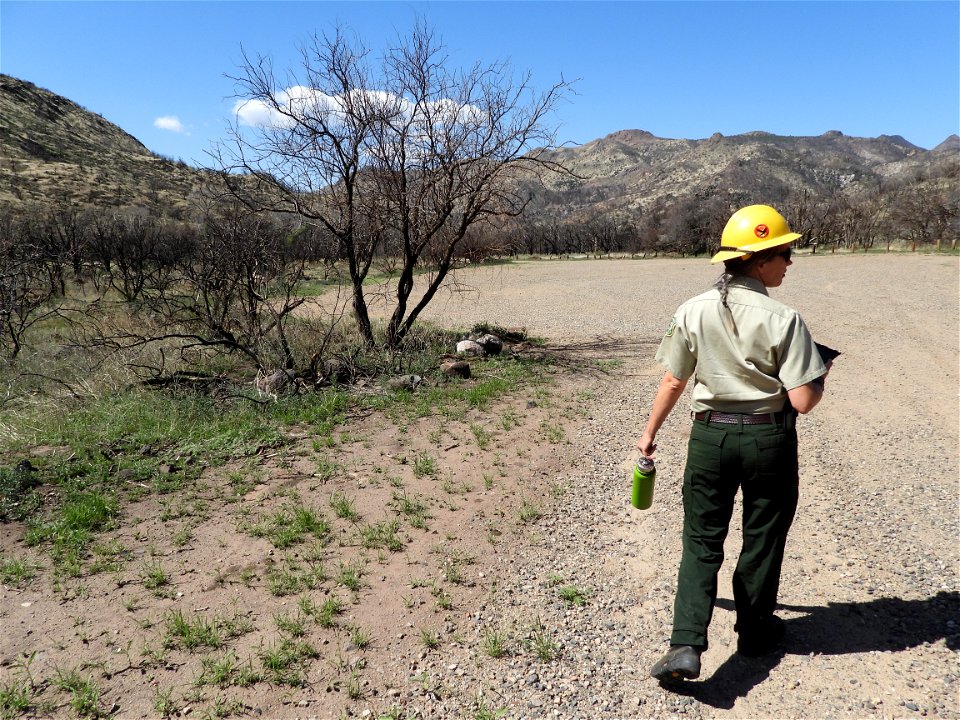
[296, 101]
[303, 102]
[256, 113]
[171, 123]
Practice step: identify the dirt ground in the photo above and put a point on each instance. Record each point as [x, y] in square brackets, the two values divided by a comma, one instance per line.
[483, 501]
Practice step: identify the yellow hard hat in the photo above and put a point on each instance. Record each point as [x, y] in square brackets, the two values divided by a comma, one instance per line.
[752, 229]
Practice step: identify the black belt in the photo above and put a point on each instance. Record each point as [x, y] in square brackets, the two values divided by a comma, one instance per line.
[738, 418]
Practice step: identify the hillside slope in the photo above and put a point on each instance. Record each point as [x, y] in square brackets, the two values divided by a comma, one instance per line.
[629, 169]
[53, 150]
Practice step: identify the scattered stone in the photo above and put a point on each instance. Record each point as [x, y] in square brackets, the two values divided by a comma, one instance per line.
[458, 368]
[269, 385]
[470, 348]
[404, 382]
[334, 372]
[491, 344]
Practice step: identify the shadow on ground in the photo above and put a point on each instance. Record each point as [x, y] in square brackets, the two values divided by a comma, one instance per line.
[884, 624]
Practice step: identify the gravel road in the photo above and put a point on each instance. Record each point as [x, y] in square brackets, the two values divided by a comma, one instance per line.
[870, 582]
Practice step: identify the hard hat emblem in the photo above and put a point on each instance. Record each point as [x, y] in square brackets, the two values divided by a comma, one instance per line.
[761, 231]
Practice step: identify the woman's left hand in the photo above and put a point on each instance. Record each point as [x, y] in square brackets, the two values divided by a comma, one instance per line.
[646, 444]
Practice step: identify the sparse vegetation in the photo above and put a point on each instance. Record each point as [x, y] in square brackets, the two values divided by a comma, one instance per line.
[359, 637]
[190, 633]
[164, 703]
[344, 507]
[552, 432]
[529, 512]
[430, 639]
[539, 642]
[227, 670]
[15, 699]
[382, 535]
[289, 526]
[412, 508]
[495, 644]
[350, 576]
[101, 495]
[328, 611]
[481, 435]
[155, 577]
[16, 572]
[284, 663]
[292, 625]
[424, 464]
[573, 595]
[484, 712]
[84, 693]
[292, 577]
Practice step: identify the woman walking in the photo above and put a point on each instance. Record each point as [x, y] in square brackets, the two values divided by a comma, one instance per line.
[754, 366]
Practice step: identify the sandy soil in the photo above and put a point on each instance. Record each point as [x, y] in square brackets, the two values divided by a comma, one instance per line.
[530, 496]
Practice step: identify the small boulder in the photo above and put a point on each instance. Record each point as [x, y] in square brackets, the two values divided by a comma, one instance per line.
[491, 344]
[457, 368]
[470, 348]
[335, 372]
[269, 385]
[404, 382]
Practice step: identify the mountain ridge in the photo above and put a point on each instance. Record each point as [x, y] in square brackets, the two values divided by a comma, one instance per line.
[53, 149]
[629, 170]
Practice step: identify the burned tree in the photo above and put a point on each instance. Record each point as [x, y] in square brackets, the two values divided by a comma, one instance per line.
[27, 293]
[403, 156]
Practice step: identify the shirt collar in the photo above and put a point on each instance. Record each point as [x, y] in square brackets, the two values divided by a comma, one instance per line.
[748, 283]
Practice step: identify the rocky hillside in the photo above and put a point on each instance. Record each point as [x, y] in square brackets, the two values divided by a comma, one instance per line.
[53, 149]
[623, 172]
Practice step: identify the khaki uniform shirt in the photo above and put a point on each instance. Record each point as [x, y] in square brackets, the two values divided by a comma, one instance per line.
[746, 358]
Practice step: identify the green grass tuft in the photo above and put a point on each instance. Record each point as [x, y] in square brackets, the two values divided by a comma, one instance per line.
[15, 572]
[290, 525]
[382, 535]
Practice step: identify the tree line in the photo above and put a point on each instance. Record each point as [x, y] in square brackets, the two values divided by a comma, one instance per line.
[230, 278]
[910, 213]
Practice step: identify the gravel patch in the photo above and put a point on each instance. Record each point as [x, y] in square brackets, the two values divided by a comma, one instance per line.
[870, 583]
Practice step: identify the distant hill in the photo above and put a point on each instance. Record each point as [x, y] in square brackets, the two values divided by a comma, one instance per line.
[53, 150]
[621, 173]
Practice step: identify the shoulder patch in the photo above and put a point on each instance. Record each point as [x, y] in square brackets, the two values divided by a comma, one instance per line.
[672, 328]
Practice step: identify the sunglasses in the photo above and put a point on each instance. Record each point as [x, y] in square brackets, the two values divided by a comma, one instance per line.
[786, 254]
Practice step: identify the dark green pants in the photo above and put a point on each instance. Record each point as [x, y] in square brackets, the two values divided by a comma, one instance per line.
[760, 460]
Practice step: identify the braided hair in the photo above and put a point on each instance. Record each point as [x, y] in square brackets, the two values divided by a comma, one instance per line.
[739, 266]
[723, 285]
[732, 269]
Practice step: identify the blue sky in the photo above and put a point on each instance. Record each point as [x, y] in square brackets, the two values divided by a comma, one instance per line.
[677, 69]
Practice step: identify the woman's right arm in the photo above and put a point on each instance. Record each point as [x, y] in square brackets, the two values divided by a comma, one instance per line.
[671, 388]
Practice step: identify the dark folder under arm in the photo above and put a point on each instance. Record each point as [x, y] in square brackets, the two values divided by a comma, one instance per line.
[826, 353]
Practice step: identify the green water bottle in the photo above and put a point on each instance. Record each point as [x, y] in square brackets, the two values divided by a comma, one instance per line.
[644, 473]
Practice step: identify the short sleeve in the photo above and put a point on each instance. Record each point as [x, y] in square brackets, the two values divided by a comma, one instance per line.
[675, 352]
[800, 361]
